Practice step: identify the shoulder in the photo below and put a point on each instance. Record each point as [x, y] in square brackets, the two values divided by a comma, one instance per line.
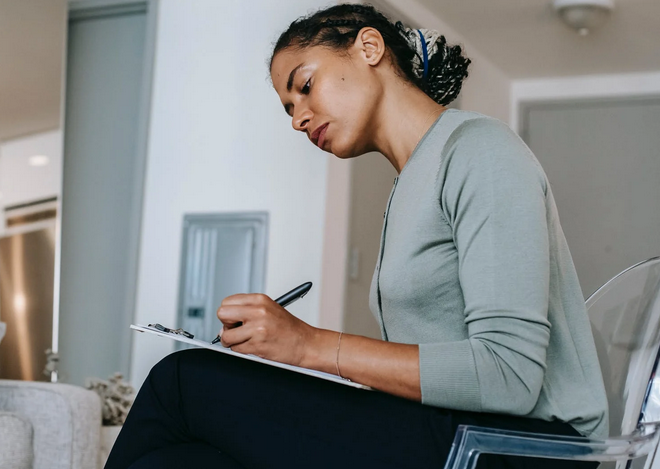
[485, 147]
[488, 134]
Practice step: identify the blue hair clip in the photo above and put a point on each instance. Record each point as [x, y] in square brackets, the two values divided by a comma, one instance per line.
[425, 54]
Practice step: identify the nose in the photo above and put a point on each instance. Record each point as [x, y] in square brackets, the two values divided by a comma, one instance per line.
[301, 120]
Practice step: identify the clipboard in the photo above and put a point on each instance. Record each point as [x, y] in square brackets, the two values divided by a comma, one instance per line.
[219, 348]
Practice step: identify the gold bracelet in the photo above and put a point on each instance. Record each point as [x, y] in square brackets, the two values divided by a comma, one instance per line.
[337, 360]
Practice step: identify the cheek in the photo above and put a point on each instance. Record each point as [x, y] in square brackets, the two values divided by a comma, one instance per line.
[339, 91]
[356, 115]
[350, 133]
[347, 109]
[323, 100]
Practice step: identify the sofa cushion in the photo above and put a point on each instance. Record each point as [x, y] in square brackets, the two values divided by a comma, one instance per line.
[15, 442]
[66, 422]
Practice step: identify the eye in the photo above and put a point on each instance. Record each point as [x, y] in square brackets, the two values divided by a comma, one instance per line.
[305, 88]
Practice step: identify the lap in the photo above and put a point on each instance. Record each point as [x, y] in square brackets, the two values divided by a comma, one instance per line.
[257, 412]
[193, 455]
[268, 417]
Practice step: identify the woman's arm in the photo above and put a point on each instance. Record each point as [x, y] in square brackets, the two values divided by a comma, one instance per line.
[390, 367]
[493, 196]
[269, 331]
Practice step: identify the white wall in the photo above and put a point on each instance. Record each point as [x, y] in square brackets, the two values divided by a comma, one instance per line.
[335, 243]
[221, 142]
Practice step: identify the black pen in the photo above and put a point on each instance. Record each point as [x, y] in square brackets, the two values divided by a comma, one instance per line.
[286, 299]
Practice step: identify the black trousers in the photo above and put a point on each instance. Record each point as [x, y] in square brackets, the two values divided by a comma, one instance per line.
[203, 409]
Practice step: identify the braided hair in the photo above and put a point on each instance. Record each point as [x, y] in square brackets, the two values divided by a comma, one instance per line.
[440, 76]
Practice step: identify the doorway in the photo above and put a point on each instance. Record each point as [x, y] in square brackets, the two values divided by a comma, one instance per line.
[602, 158]
[107, 108]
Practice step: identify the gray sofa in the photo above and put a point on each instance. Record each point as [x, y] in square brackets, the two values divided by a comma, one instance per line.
[48, 426]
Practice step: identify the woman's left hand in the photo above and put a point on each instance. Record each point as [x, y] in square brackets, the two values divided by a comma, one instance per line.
[255, 324]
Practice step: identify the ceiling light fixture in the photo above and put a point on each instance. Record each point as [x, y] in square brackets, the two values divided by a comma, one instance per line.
[39, 160]
[583, 15]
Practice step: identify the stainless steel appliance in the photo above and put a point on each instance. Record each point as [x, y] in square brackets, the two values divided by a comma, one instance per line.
[27, 267]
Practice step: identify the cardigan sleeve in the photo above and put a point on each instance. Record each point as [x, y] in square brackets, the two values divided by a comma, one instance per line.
[492, 192]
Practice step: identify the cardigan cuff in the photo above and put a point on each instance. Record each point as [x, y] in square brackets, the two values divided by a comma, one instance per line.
[448, 376]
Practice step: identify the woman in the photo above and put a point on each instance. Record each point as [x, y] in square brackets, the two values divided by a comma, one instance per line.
[475, 291]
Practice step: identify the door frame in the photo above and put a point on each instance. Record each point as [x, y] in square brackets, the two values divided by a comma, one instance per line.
[526, 106]
[87, 9]
[589, 87]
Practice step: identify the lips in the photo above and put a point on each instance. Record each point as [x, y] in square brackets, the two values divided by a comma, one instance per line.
[318, 136]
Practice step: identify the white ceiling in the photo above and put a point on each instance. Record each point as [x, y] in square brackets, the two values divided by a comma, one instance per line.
[525, 38]
[32, 36]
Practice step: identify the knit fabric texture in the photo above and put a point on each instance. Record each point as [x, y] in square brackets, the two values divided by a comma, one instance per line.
[474, 267]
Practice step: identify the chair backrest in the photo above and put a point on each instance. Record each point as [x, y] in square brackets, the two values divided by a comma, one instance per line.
[625, 319]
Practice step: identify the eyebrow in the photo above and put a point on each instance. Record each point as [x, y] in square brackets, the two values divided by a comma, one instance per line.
[289, 85]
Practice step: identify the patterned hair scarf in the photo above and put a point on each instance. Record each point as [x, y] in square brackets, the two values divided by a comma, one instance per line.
[426, 43]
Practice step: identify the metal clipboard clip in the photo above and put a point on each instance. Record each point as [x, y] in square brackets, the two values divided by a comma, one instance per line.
[179, 331]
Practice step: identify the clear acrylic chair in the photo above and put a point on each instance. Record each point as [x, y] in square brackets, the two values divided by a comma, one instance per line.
[625, 319]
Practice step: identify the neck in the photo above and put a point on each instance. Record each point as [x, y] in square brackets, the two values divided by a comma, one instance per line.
[404, 115]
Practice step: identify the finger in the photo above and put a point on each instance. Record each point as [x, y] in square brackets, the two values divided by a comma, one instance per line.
[246, 299]
[241, 348]
[235, 336]
[247, 347]
[230, 315]
[219, 336]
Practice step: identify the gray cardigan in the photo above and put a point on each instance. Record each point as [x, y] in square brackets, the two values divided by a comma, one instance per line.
[474, 268]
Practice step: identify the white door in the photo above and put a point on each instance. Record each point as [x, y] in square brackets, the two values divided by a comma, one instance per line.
[603, 162]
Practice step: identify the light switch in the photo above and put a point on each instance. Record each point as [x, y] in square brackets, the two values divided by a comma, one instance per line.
[354, 263]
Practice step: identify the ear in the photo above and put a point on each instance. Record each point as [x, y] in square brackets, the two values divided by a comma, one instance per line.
[370, 45]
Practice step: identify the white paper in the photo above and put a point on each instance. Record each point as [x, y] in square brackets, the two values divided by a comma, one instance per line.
[219, 348]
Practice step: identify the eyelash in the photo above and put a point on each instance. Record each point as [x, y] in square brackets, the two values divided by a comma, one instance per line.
[303, 90]
[306, 86]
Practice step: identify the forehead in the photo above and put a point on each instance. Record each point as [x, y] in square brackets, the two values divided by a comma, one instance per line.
[283, 62]
[288, 59]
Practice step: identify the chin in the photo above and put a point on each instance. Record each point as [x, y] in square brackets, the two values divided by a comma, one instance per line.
[343, 155]
[345, 152]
